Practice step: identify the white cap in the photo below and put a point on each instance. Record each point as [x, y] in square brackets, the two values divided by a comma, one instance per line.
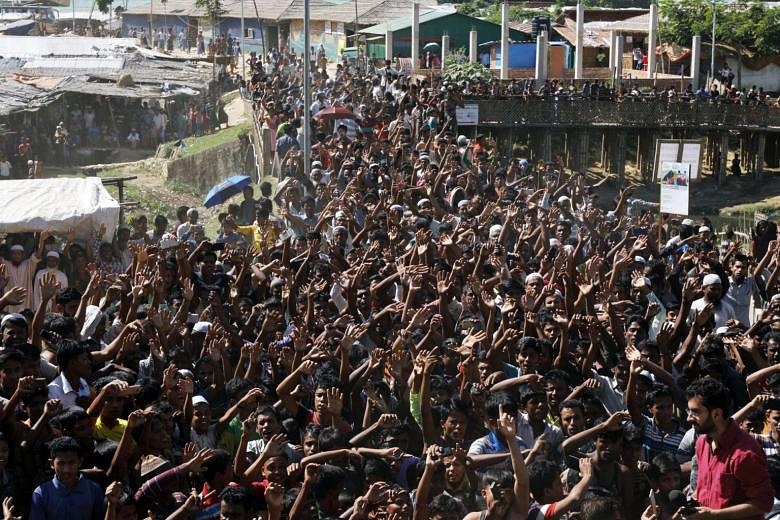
[463, 203]
[554, 242]
[711, 279]
[423, 201]
[52, 254]
[17, 247]
[640, 260]
[340, 214]
[463, 140]
[721, 330]
[199, 399]
[533, 276]
[687, 222]
[201, 326]
[562, 199]
[397, 207]
[704, 229]
[495, 230]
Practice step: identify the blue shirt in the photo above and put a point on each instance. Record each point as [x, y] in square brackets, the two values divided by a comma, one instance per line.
[52, 499]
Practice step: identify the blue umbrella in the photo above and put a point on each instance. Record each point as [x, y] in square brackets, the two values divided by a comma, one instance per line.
[226, 189]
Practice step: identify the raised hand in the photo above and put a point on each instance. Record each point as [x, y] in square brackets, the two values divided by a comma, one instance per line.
[506, 424]
[333, 402]
[49, 286]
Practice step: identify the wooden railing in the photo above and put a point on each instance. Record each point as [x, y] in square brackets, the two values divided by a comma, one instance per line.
[579, 112]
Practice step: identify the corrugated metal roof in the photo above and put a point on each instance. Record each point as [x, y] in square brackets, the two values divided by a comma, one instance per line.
[36, 46]
[267, 9]
[593, 37]
[82, 65]
[426, 15]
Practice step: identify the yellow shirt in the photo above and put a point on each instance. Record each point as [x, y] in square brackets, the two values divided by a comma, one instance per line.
[262, 236]
[101, 431]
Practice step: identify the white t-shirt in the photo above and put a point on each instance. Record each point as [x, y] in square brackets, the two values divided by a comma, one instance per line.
[5, 169]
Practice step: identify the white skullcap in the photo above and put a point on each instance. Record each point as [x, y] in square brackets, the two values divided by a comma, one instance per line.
[201, 326]
[554, 242]
[711, 279]
[704, 229]
[53, 254]
[687, 222]
[495, 230]
[463, 203]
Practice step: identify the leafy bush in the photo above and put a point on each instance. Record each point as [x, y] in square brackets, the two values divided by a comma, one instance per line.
[457, 68]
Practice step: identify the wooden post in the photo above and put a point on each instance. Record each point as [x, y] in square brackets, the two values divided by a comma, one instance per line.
[584, 149]
[547, 146]
[724, 153]
[604, 152]
[760, 152]
[620, 158]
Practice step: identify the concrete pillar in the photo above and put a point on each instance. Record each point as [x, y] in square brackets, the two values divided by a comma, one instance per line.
[547, 146]
[389, 45]
[760, 153]
[473, 55]
[651, 39]
[541, 58]
[445, 48]
[612, 52]
[505, 40]
[578, 72]
[720, 174]
[618, 61]
[696, 62]
[415, 35]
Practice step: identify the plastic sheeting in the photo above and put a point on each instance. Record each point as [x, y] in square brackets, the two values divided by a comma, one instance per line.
[57, 205]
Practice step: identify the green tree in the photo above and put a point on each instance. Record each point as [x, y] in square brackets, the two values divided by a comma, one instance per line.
[742, 24]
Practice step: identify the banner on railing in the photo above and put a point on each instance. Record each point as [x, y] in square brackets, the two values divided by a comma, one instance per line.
[687, 151]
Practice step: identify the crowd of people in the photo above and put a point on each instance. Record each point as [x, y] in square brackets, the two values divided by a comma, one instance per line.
[419, 329]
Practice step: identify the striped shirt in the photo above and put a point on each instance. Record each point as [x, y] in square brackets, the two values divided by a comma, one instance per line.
[768, 444]
[657, 441]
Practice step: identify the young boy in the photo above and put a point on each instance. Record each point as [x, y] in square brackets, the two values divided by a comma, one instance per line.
[547, 489]
[68, 493]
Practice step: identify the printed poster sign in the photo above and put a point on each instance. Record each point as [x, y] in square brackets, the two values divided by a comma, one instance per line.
[675, 185]
[467, 115]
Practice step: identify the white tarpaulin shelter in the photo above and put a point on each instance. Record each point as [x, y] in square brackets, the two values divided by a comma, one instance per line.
[57, 205]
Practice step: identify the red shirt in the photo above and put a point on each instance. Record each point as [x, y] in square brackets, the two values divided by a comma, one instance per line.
[735, 473]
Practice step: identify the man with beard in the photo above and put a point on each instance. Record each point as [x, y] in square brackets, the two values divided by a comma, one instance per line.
[713, 295]
[733, 479]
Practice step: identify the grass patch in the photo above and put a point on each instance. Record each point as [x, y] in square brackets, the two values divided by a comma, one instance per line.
[183, 188]
[193, 145]
[768, 206]
[229, 97]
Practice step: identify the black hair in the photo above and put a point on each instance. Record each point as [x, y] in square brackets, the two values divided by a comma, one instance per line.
[527, 343]
[63, 445]
[62, 325]
[663, 463]
[236, 388]
[541, 474]
[329, 478]
[270, 410]
[331, 438]
[443, 504]
[572, 404]
[104, 454]
[598, 508]
[237, 496]
[219, 461]
[636, 318]
[66, 421]
[501, 476]
[500, 399]
[10, 354]
[557, 374]
[378, 468]
[658, 391]
[150, 392]
[712, 394]
[67, 295]
[67, 351]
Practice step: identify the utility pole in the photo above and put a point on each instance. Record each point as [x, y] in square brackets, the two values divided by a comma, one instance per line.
[712, 52]
[243, 61]
[306, 125]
